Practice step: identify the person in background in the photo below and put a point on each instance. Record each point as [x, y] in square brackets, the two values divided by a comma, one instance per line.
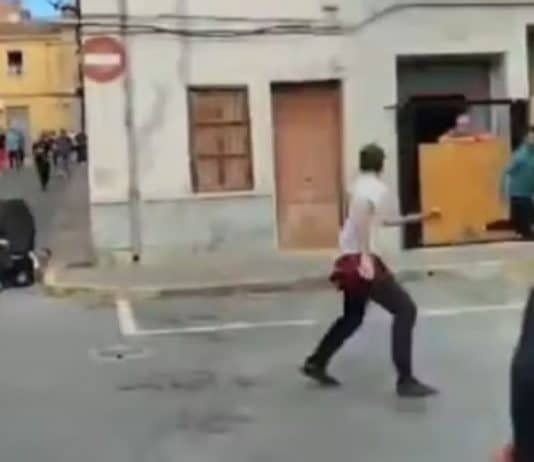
[14, 145]
[64, 152]
[518, 187]
[22, 150]
[81, 147]
[4, 159]
[522, 393]
[41, 155]
[464, 131]
[52, 136]
[362, 276]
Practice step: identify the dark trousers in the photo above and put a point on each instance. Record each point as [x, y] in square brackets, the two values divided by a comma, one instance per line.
[391, 296]
[522, 215]
[43, 171]
[20, 158]
[523, 407]
[13, 159]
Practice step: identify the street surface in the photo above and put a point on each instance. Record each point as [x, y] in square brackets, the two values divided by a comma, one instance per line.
[24, 184]
[233, 392]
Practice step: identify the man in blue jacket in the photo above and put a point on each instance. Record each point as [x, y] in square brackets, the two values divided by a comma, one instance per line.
[518, 185]
[15, 147]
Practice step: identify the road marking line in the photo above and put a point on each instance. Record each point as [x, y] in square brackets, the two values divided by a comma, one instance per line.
[127, 324]
[474, 309]
[236, 326]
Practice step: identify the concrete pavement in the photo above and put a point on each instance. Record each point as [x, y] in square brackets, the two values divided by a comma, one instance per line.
[226, 273]
[45, 206]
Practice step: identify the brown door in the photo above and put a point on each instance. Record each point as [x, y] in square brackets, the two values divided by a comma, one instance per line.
[308, 145]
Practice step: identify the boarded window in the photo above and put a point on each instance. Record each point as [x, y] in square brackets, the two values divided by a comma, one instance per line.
[221, 155]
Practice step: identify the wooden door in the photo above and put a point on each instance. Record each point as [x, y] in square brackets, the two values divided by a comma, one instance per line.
[308, 158]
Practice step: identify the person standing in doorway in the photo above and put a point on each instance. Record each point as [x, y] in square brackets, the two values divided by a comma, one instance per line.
[362, 276]
[14, 146]
[518, 187]
[464, 131]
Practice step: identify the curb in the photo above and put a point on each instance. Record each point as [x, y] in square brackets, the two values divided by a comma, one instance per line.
[56, 288]
[215, 289]
[313, 282]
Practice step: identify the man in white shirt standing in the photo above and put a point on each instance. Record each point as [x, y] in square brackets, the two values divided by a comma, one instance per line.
[362, 276]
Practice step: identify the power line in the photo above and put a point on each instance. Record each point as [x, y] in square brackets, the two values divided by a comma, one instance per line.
[269, 25]
[140, 28]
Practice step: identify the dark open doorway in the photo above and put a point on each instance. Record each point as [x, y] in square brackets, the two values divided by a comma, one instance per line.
[423, 120]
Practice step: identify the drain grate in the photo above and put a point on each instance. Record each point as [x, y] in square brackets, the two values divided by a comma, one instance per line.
[117, 353]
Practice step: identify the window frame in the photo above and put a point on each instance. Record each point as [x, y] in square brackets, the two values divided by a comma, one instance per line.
[193, 156]
[9, 53]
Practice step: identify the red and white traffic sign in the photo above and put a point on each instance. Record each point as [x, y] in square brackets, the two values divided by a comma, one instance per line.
[104, 59]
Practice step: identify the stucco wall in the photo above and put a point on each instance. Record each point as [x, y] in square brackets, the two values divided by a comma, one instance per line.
[364, 60]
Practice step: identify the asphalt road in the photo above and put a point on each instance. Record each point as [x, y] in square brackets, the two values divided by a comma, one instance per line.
[24, 184]
[236, 396]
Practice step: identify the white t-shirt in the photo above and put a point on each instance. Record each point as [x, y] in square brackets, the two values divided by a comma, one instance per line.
[367, 188]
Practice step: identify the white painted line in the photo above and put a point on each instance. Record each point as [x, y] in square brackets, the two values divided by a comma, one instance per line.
[475, 309]
[102, 59]
[236, 326]
[127, 324]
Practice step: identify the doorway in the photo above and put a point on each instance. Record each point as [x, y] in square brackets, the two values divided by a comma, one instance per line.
[421, 120]
[307, 138]
[415, 139]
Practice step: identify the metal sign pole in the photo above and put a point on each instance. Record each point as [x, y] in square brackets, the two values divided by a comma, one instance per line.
[134, 195]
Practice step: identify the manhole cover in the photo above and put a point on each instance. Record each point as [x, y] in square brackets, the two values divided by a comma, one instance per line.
[119, 353]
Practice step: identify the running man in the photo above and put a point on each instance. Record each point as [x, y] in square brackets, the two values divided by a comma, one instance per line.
[362, 276]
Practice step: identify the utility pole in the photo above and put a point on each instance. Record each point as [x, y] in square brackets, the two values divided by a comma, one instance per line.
[134, 195]
[81, 87]
[70, 10]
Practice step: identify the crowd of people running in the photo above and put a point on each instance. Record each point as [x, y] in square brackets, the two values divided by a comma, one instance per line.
[51, 152]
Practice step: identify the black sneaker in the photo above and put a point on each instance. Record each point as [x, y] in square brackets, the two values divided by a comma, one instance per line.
[320, 375]
[412, 388]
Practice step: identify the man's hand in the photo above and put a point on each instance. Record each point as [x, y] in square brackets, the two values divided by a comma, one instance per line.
[434, 214]
[367, 267]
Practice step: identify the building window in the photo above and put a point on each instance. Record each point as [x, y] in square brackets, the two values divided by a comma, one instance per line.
[15, 63]
[221, 157]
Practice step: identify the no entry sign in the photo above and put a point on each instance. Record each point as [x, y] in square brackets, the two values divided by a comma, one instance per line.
[104, 59]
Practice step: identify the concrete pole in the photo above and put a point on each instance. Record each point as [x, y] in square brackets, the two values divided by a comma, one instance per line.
[81, 82]
[134, 195]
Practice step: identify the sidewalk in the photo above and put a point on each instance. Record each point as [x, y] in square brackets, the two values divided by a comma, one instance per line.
[275, 272]
[71, 269]
[70, 231]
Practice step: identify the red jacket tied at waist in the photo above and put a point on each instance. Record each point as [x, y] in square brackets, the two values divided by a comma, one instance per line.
[347, 278]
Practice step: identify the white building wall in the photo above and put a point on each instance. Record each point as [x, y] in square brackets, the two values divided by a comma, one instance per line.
[365, 61]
